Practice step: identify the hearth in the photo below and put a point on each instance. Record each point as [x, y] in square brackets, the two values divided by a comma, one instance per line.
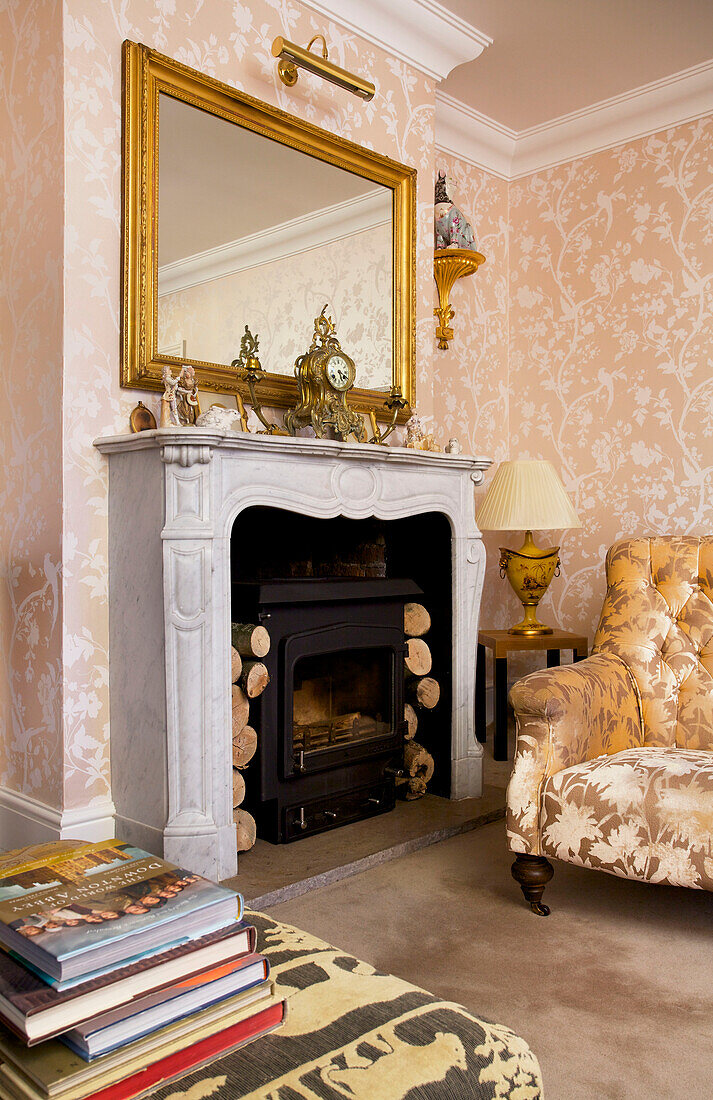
[331, 722]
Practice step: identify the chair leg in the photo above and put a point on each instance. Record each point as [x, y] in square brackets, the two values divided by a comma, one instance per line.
[533, 873]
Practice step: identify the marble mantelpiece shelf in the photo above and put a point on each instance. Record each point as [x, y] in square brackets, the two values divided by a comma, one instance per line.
[318, 448]
[174, 495]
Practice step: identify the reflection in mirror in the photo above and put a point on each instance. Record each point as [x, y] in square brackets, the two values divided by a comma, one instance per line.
[252, 231]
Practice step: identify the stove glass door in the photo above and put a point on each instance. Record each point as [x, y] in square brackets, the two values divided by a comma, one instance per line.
[341, 698]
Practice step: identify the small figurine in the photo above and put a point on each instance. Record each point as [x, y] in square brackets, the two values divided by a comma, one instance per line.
[187, 396]
[179, 404]
[452, 230]
[414, 432]
[169, 413]
[454, 447]
[416, 438]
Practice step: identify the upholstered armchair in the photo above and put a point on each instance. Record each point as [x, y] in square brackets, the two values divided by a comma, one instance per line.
[613, 768]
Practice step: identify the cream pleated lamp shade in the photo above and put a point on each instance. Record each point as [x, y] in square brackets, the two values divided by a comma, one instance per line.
[526, 495]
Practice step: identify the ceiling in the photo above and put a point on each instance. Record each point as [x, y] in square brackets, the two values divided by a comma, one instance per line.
[551, 57]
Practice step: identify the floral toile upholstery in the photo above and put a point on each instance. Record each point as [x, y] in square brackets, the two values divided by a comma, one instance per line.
[614, 761]
[643, 813]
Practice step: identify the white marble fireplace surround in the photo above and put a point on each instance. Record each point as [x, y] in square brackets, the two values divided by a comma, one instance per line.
[174, 495]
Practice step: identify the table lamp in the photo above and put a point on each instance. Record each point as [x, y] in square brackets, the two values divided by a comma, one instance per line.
[527, 495]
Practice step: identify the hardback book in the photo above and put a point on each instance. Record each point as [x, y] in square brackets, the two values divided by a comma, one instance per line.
[69, 908]
[111, 1030]
[51, 1071]
[36, 1011]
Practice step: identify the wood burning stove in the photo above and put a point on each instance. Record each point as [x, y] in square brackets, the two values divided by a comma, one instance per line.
[331, 722]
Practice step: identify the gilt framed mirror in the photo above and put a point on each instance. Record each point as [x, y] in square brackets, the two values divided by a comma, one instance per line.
[236, 213]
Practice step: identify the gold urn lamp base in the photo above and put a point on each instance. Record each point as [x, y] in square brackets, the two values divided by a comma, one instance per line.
[529, 571]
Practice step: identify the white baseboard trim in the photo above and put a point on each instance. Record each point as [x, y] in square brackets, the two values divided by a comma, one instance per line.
[26, 820]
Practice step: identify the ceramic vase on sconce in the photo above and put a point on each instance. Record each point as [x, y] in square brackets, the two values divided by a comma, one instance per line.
[455, 256]
[451, 228]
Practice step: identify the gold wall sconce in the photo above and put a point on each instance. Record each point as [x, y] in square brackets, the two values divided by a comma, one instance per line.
[450, 264]
[293, 57]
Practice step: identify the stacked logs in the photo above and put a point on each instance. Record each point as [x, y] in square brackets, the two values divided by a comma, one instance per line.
[249, 677]
[422, 693]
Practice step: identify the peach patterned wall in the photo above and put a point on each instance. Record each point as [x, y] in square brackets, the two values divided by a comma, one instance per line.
[604, 362]
[231, 40]
[470, 378]
[30, 394]
[611, 345]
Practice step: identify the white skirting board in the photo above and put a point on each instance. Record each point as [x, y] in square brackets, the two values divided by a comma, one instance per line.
[26, 820]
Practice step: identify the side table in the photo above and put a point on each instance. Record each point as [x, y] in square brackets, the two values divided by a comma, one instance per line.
[501, 642]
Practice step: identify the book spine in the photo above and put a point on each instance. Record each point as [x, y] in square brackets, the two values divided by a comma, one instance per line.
[193, 1057]
[118, 1001]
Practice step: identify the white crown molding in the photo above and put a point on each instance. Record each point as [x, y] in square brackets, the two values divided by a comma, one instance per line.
[326, 226]
[473, 137]
[420, 32]
[511, 154]
[26, 820]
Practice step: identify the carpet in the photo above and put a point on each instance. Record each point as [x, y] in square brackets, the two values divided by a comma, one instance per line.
[613, 992]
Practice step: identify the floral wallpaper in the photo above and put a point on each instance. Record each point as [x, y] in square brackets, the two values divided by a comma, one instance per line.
[611, 338]
[585, 338]
[30, 393]
[470, 378]
[599, 357]
[231, 40]
[279, 301]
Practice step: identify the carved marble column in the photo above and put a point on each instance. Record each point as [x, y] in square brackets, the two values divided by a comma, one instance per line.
[197, 809]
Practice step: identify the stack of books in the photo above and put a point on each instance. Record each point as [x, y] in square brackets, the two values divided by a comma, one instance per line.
[120, 972]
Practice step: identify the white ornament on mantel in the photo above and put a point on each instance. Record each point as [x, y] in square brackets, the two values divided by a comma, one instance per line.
[220, 418]
[174, 495]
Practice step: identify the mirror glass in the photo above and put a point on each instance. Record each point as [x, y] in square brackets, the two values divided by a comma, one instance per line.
[254, 232]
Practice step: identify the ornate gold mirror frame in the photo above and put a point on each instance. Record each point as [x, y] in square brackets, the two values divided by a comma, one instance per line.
[146, 74]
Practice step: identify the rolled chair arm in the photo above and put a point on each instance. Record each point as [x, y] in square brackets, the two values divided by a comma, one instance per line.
[565, 716]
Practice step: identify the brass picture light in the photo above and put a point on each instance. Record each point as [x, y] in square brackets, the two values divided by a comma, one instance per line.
[293, 57]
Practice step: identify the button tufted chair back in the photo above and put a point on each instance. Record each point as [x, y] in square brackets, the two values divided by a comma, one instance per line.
[658, 618]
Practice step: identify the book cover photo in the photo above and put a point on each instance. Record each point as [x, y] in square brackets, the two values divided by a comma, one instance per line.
[60, 910]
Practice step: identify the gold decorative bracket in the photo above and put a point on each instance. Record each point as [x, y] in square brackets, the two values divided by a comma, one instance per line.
[450, 264]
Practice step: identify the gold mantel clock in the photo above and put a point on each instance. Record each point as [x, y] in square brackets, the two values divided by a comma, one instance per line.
[325, 374]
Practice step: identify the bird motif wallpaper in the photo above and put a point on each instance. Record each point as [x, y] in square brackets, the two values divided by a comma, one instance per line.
[591, 345]
[585, 339]
[54, 619]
